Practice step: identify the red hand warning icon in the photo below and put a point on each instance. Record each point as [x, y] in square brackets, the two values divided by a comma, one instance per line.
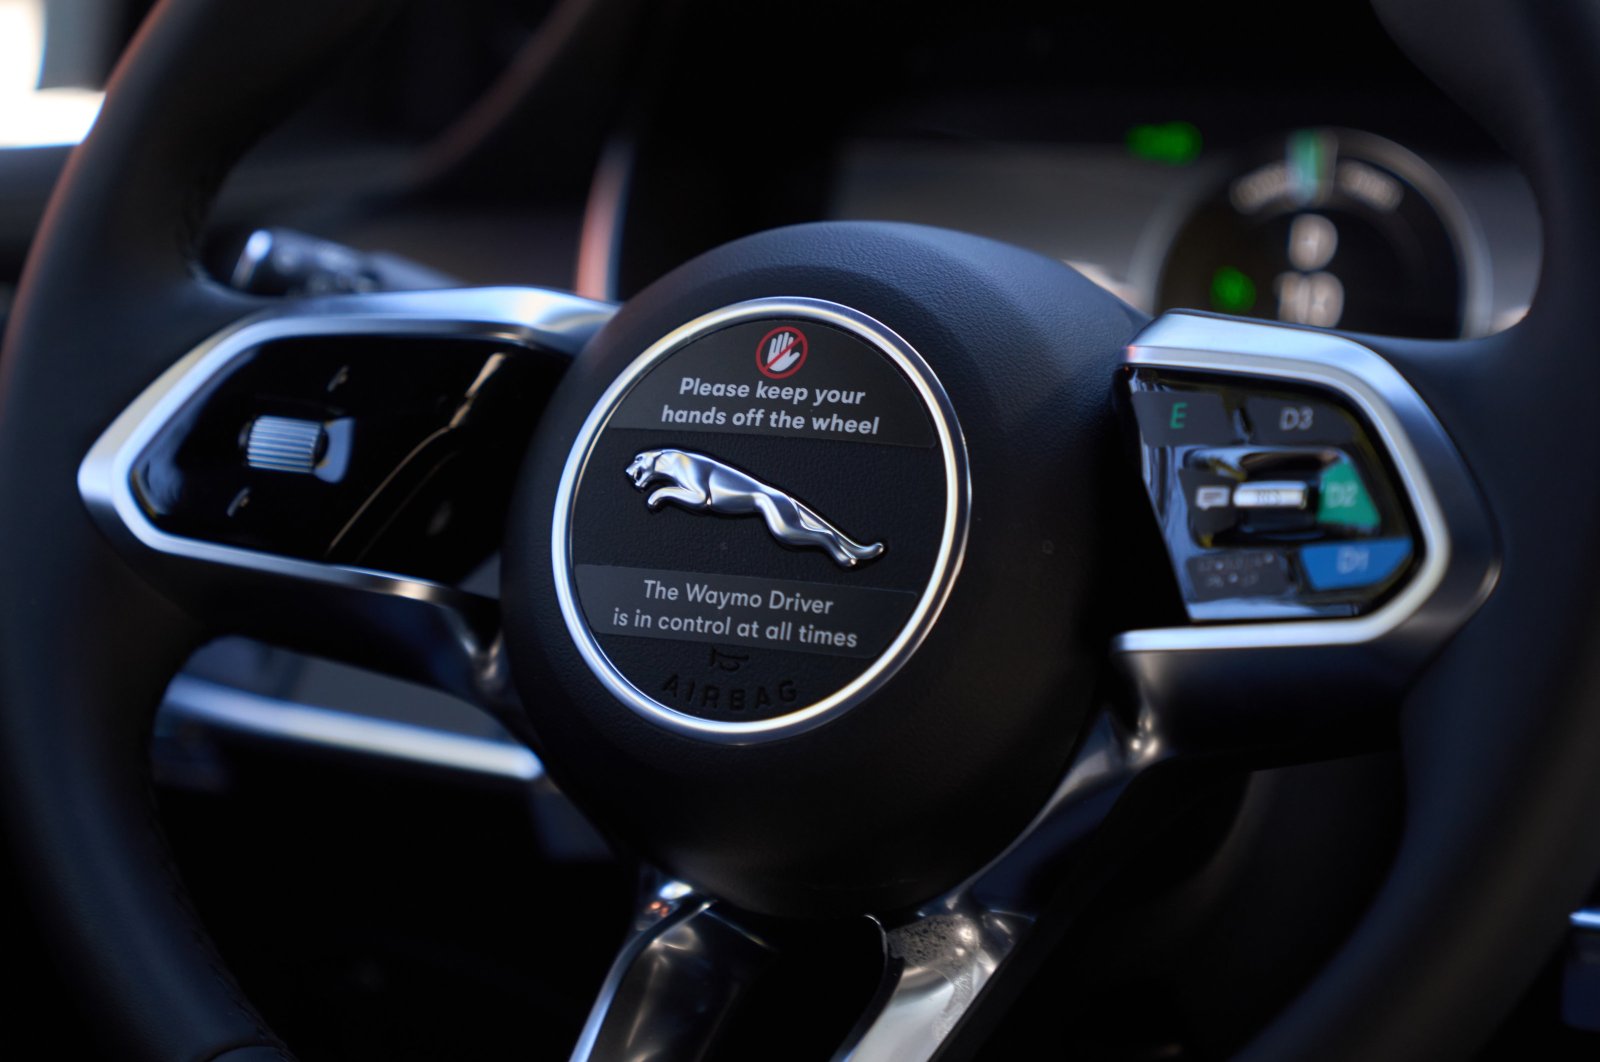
[781, 352]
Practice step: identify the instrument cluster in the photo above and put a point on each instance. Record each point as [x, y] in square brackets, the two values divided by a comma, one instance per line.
[1336, 229]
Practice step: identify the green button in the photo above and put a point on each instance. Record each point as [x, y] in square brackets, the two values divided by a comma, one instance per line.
[1343, 499]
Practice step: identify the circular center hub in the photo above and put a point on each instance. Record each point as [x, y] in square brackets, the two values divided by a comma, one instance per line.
[760, 519]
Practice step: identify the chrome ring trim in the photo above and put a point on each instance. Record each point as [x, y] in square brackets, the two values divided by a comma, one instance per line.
[947, 564]
[1393, 408]
[191, 700]
[526, 317]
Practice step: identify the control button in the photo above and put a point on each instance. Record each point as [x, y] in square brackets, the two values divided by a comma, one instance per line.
[1210, 496]
[285, 444]
[1271, 494]
[1181, 418]
[1238, 573]
[1346, 565]
[1290, 420]
[1343, 499]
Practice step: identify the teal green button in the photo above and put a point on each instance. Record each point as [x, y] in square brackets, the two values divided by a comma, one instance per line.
[1342, 499]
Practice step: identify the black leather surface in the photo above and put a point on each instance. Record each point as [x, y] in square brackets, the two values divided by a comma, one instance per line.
[251, 1054]
[109, 299]
[1502, 737]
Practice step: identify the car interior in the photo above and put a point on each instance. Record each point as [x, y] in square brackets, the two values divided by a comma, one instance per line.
[1107, 574]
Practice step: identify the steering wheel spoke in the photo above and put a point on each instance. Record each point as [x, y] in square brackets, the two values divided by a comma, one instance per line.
[690, 961]
[324, 474]
[689, 964]
[1325, 537]
[682, 970]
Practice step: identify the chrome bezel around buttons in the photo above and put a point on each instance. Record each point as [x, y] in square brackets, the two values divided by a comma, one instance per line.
[947, 564]
[1446, 584]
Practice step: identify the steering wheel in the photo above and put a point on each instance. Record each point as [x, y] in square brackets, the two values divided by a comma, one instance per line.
[813, 587]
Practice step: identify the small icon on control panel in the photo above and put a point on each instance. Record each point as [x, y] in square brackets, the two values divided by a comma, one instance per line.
[1212, 497]
[1238, 573]
[1352, 559]
[1297, 418]
[1293, 421]
[1189, 418]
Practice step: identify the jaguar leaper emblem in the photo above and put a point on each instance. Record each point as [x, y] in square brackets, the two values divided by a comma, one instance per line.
[704, 484]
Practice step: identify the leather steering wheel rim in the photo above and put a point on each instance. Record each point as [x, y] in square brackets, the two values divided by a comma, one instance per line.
[1500, 735]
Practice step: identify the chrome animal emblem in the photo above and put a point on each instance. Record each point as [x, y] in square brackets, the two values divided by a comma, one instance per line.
[703, 484]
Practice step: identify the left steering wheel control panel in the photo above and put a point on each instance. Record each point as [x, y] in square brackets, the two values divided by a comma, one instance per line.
[366, 444]
[385, 452]
[1274, 500]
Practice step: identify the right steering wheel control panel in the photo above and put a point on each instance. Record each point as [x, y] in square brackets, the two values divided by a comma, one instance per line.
[1273, 499]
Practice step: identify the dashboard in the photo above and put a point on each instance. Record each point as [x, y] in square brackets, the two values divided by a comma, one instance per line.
[1308, 174]
[1318, 225]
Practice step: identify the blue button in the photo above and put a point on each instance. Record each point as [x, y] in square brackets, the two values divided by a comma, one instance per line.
[1343, 565]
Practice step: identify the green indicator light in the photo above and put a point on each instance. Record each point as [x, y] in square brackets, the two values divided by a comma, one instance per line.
[1343, 499]
[1171, 143]
[1232, 291]
[1180, 416]
[1310, 152]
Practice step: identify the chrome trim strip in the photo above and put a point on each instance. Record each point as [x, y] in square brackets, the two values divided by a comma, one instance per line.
[1587, 919]
[683, 968]
[935, 969]
[947, 564]
[212, 704]
[1393, 408]
[659, 914]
